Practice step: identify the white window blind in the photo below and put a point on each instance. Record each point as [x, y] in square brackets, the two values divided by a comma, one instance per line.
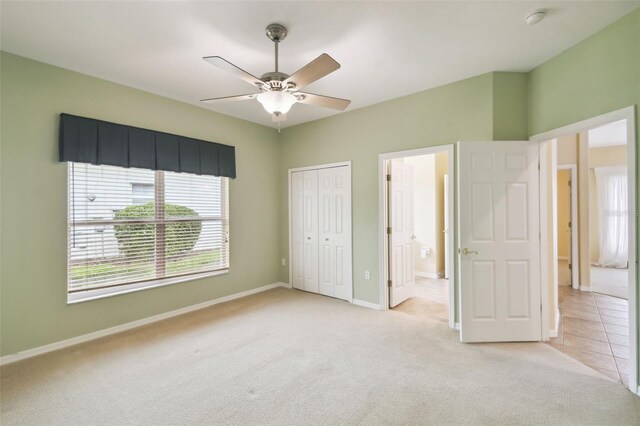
[135, 226]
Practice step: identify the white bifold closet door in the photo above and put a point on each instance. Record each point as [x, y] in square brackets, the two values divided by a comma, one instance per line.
[310, 230]
[297, 230]
[321, 231]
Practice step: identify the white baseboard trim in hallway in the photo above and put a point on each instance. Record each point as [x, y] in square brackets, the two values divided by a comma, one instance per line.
[366, 304]
[8, 359]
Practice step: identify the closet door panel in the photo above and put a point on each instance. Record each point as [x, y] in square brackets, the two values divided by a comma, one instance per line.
[310, 224]
[342, 233]
[326, 219]
[297, 230]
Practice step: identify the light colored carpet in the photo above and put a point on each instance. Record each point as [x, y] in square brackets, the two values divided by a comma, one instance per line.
[611, 281]
[290, 358]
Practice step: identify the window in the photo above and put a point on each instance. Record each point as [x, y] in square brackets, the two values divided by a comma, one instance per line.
[131, 228]
[142, 193]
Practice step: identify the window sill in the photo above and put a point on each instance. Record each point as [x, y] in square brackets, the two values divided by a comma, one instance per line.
[101, 293]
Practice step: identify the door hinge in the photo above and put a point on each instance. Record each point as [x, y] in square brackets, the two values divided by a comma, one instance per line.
[569, 224]
[570, 266]
[388, 178]
[389, 230]
[389, 283]
[538, 165]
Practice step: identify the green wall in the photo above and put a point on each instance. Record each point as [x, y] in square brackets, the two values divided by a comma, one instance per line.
[599, 75]
[464, 110]
[33, 305]
[509, 106]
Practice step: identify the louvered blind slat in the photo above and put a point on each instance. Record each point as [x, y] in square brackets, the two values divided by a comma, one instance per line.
[130, 225]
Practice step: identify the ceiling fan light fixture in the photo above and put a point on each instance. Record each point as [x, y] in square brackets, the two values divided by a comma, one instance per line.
[276, 102]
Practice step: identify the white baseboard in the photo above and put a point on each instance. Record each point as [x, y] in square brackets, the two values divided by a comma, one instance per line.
[10, 358]
[554, 332]
[429, 274]
[583, 288]
[285, 285]
[366, 304]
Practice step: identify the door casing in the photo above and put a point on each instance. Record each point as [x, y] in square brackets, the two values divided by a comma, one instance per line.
[575, 259]
[383, 222]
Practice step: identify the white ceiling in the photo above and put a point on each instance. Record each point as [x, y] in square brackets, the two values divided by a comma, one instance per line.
[386, 49]
[611, 134]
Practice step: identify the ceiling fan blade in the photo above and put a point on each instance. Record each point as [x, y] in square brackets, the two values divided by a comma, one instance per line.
[314, 70]
[230, 98]
[225, 65]
[278, 118]
[323, 101]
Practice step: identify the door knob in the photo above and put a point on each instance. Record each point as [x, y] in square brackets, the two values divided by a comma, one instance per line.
[326, 239]
[308, 238]
[413, 237]
[466, 251]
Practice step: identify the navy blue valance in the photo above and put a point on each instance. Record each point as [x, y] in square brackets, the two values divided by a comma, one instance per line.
[86, 140]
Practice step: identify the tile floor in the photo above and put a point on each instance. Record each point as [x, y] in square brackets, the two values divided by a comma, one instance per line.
[593, 327]
[594, 330]
[432, 299]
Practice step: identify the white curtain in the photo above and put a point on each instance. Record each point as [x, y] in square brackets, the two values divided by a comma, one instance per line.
[613, 209]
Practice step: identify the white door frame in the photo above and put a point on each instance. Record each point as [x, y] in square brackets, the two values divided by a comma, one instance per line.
[628, 114]
[575, 258]
[301, 169]
[382, 215]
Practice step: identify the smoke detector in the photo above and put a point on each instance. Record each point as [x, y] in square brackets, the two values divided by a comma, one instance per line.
[535, 17]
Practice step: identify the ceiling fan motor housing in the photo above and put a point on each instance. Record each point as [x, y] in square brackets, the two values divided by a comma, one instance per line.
[275, 79]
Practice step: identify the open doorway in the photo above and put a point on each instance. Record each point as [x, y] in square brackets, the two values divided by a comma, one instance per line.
[589, 243]
[609, 210]
[417, 212]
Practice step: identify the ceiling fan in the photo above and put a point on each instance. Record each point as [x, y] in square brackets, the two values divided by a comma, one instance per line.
[279, 91]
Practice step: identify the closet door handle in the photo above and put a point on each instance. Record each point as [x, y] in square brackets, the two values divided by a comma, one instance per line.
[326, 239]
[308, 238]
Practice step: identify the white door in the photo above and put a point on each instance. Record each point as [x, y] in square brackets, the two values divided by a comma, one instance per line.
[499, 241]
[334, 217]
[310, 223]
[402, 285]
[446, 226]
[297, 229]
[326, 222]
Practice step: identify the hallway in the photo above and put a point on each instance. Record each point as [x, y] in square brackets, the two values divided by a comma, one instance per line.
[594, 330]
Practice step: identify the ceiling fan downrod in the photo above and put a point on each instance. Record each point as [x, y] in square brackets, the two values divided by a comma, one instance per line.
[276, 34]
